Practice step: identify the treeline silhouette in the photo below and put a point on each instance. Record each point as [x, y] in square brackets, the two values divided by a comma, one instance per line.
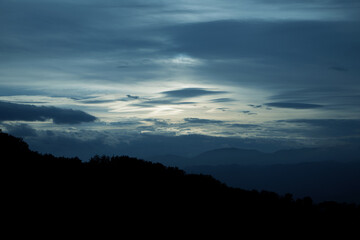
[121, 187]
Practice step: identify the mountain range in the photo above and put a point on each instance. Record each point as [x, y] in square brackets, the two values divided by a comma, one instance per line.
[325, 174]
[226, 156]
[42, 191]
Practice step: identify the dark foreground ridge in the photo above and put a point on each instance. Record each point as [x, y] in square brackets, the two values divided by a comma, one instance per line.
[137, 191]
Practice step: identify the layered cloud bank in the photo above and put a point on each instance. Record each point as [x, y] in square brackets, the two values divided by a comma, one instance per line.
[283, 71]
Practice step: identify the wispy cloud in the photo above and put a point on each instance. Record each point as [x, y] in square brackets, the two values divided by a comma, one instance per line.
[293, 105]
[339, 69]
[190, 93]
[222, 100]
[255, 106]
[239, 125]
[202, 121]
[336, 128]
[20, 130]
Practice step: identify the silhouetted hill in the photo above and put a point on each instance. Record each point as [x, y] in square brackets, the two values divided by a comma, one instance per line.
[120, 187]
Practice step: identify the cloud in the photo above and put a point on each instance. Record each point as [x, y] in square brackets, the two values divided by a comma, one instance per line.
[97, 101]
[239, 125]
[155, 102]
[101, 100]
[248, 112]
[75, 55]
[221, 100]
[20, 130]
[293, 105]
[339, 69]
[166, 102]
[141, 145]
[255, 106]
[126, 123]
[330, 123]
[202, 121]
[304, 94]
[326, 3]
[174, 97]
[282, 39]
[132, 97]
[328, 127]
[343, 96]
[190, 93]
[158, 122]
[22, 112]
[223, 109]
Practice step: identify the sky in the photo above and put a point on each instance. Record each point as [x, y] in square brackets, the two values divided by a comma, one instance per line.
[179, 77]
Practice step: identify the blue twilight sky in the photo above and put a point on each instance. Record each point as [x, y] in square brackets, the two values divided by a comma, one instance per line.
[149, 77]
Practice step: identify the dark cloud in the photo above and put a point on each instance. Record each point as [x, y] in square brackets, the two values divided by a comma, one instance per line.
[190, 93]
[221, 100]
[166, 102]
[306, 94]
[20, 130]
[255, 106]
[333, 96]
[174, 97]
[21, 112]
[328, 127]
[325, 4]
[126, 123]
[239, 125]
[339, 69]
[97, 101]
[55, 34]
[158, 122]
[156, 102]
[126, 4]
[289, 40]
[293, 105]
[202, 121]
[248, 112]
[132, 97]
[18, 90]
[351, 123]
[268, 54]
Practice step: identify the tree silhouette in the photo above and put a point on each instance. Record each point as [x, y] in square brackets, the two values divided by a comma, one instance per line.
[129, 188]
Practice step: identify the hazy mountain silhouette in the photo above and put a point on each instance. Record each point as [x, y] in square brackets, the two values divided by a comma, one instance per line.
[323, 173]
[323, 181]
[49, 188]
[230, 156]
[214, 157]
[226, 156]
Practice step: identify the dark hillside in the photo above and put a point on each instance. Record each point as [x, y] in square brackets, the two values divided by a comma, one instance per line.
[135, 190]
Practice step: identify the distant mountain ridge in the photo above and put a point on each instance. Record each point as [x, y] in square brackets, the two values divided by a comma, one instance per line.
[228, 156]
[323, 173]
[128, 191]
[323, 181]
